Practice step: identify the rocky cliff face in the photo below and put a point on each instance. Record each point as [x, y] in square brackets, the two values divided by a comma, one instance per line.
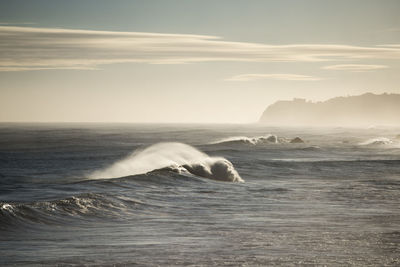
[363, 110]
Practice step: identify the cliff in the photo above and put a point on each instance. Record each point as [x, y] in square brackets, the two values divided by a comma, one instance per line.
[363, 110]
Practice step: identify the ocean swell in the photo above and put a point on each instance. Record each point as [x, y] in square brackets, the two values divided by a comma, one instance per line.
[55, 211]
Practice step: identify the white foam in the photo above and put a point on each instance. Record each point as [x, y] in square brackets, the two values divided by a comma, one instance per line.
[176, 155]
[7, 207]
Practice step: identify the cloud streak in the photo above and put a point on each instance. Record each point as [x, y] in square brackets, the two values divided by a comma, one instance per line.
[355, 67]
[272, 76]
[25, 48]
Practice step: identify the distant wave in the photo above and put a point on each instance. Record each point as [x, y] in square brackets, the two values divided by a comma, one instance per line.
[335, 161]
[311, 148]
[377, 141]
[268, 139]
[177, 157]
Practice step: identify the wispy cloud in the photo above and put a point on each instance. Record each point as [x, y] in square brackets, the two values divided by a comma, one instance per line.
[391, 45]
[273, 76]
[355, 67]
[16, 23]
[392, 30]
[32, 48]
[19, 68]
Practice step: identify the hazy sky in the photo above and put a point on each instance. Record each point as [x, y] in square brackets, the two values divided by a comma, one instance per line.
[189, 61]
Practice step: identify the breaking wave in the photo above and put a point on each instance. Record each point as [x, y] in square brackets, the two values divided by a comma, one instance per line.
[268, 139]
[177, 157]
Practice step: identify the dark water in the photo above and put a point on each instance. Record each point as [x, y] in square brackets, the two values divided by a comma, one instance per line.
[333, 200]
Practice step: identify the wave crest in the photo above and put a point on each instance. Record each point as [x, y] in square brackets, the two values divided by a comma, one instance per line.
[174, 156]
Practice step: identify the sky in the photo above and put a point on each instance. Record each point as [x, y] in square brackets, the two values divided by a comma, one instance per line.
[187, 61]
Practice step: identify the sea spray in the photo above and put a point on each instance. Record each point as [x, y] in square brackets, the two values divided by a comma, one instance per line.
[174, 156]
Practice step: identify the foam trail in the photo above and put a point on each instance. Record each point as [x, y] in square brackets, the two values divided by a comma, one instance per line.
[175, 156]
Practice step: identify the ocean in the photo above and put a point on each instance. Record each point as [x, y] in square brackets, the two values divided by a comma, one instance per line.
[198, 195]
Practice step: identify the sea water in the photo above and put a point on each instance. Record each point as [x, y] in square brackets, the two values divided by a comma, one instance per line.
[239, 195]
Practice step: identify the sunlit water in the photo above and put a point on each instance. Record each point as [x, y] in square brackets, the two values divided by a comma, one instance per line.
[333, 200]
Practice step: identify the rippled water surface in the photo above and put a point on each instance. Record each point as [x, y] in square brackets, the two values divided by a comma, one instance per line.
[111, 194]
